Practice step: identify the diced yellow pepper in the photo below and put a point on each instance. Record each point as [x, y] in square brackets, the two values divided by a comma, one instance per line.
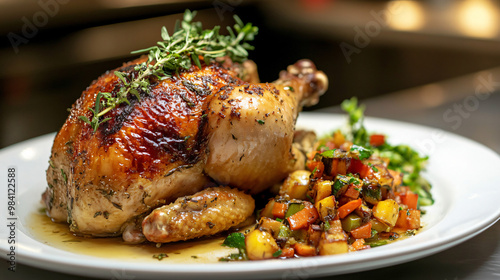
[296, 185]
[386, 211]
[323, 189]
[260, 245]
[326, 207]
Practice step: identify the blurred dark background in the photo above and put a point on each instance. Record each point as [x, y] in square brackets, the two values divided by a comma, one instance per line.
[51, 50]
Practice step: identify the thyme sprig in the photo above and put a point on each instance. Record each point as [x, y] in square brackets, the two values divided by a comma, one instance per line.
[187, 45]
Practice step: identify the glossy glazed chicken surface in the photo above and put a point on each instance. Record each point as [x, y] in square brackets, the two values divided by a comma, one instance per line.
[201, 128]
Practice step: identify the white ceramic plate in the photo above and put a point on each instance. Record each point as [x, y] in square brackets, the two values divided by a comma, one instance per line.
[464, 174]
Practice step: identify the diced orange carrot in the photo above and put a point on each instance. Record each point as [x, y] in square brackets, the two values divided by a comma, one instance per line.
[347, 208]
[377, 140]
[359, 244]
[279, 210]
[342, 166]
[352, 191]
[333, 168]
[364, 231]
[338, 138]
[302, 249]
[317, 168]
[303, 218]
[410, 199]
[287, 253]
[311, 155]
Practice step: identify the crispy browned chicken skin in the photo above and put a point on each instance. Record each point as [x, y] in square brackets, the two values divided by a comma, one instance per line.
[200, 127]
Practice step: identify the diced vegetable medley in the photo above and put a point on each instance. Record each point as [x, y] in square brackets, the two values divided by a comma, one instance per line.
[356, 192]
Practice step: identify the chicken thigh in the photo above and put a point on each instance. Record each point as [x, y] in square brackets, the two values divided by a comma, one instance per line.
[199, 128]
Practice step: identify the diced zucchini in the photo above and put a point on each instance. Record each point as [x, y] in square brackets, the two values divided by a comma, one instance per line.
[352, 221]
[300, 235]
[380, 227]
[293, 208]
[260, 245]
[372, 194]
[284, 231]
[377, 243]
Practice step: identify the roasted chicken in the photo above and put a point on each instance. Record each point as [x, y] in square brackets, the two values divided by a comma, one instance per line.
[200, 128]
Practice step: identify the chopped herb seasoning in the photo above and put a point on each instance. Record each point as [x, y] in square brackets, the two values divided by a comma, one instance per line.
[160, 256]
[64, 176]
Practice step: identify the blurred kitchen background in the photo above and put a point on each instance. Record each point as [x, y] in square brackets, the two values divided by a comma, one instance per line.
[432, 62]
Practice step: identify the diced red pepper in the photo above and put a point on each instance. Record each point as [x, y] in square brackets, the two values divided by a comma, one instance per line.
[330, 145]
[408, 219]
[352, 191]
[364, 231]
[358, 167]
[377, 140]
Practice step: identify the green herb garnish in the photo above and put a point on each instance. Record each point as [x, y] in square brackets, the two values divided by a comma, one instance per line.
[277, 253]
[188, 44]
[357, 134]
[328, 154]
[362, 152]
[402, 158]
[235, 240]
